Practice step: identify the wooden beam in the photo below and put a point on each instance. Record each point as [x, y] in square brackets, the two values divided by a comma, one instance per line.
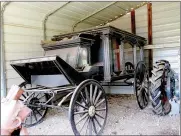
[133, 22]
[159, 46]
[149, 11]
[150, 38]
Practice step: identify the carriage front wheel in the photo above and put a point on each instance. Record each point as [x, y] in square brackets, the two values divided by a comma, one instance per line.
[88, 108]
[32, 99]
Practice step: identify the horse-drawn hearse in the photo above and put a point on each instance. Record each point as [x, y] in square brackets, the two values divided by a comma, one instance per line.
[76, 68]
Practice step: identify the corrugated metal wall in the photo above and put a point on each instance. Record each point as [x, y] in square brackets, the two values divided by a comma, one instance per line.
[166, 31]
[22, 33]
[23, 30]
[124, 23]
[141, 22]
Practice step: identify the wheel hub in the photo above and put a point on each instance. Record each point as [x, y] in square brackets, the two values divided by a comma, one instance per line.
[92, 111]
[33, 101]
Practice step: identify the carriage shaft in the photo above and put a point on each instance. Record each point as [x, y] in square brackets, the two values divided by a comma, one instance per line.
[50, 90]
[45, 105]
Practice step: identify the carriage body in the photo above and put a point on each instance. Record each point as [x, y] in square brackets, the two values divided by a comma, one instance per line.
[85, 60]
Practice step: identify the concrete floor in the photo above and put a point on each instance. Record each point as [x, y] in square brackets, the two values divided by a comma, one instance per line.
[124, 118]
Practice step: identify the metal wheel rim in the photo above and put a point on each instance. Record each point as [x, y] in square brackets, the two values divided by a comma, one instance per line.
[93, 121]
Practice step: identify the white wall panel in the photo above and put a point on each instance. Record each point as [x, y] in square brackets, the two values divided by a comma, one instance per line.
[164, 6]
[169, 33]
[22, 55]
[166, 30]
[169, 54]
[22, 48]
[166, 27]
[123, 23]
[24, 32]
[15, 81]
[11, 74]
[142, 27]
[22, 38]
[23, 26]
[129, 56]
[22, 35]
[141, 21]
[18, 20]
[8, 66]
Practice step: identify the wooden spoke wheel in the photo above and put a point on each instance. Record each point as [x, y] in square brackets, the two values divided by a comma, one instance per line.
[32, 99]
[88, 108]
[141, 84]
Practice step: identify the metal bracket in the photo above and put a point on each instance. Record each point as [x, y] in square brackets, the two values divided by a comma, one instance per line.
[53, 95]
[28, 97]
[112, 3]
[64, 98]
[49, 14]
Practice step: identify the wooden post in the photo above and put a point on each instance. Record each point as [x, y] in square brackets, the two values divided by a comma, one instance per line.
[150, 39]
[133, 22]
[149, 8]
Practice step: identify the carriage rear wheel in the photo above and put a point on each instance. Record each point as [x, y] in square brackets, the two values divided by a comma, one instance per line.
[88, 108]
[32, 100]
[141, 84]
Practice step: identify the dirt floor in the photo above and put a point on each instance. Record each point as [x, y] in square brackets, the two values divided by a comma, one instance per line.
[124, 118]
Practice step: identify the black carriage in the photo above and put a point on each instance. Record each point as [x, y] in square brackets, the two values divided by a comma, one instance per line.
[76, 69]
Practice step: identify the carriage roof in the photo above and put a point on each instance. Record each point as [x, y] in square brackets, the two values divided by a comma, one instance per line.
[82, 38]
